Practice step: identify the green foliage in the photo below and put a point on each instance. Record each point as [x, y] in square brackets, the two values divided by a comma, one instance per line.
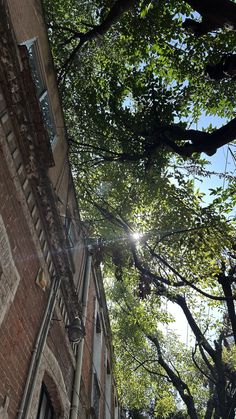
[229, 355]
[119, 93]
[149, 387]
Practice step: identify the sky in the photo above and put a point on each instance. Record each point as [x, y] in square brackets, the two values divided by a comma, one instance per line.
[222, 162]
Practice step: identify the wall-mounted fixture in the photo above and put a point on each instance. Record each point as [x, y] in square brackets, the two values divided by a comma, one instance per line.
[76, 331]
[41, 280]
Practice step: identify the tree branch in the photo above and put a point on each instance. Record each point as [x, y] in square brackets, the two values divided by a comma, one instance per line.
[178, 383]
[186, 282]
[115, 13]
[172, 136]
[198, 141]
[226, 286]
[209, 378]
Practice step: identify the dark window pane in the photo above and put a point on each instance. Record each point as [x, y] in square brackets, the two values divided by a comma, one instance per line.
[45, 410]
[43, 407]
[35, 70]
[96, 396]
[41, 91]
[47, 116]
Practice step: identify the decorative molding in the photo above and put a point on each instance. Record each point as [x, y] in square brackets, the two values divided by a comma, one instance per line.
[4, 409]
[50, 367]
[9, 276]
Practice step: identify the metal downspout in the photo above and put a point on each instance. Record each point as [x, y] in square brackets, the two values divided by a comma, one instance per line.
[80, 350]
[38, 351]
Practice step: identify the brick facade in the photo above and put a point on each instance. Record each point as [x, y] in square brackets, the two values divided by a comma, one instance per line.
[43, 247]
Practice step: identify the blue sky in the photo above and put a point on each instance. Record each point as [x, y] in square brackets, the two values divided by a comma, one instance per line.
[221, 162]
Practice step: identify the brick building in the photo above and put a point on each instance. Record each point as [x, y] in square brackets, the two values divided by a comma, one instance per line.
[55, 340]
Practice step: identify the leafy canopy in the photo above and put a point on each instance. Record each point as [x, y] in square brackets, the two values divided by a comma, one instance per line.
[132, 101]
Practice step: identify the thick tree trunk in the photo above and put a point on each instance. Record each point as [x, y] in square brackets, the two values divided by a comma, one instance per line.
[213, 7]
[215, 14]
[210, 402]
[119, 8]
[221, 382]
[226, 286]
[181, 141]
[198, 141]
[230, 408]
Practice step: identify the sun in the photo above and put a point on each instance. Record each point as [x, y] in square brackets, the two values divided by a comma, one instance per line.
[136, 235]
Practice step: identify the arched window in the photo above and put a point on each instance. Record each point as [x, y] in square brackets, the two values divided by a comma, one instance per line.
[98, 324]
[45, 409]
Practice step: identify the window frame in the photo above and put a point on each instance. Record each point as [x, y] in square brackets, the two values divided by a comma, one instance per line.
[38, 72]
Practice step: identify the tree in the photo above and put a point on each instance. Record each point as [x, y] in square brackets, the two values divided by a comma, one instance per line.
[96, 30]
[183, 256]
[138, 309]
[145, 76]
[132, 102]
[214, 15]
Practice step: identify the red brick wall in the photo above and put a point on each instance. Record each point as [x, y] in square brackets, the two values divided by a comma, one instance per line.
[56, 342]
[88, 344]
[21, 323]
